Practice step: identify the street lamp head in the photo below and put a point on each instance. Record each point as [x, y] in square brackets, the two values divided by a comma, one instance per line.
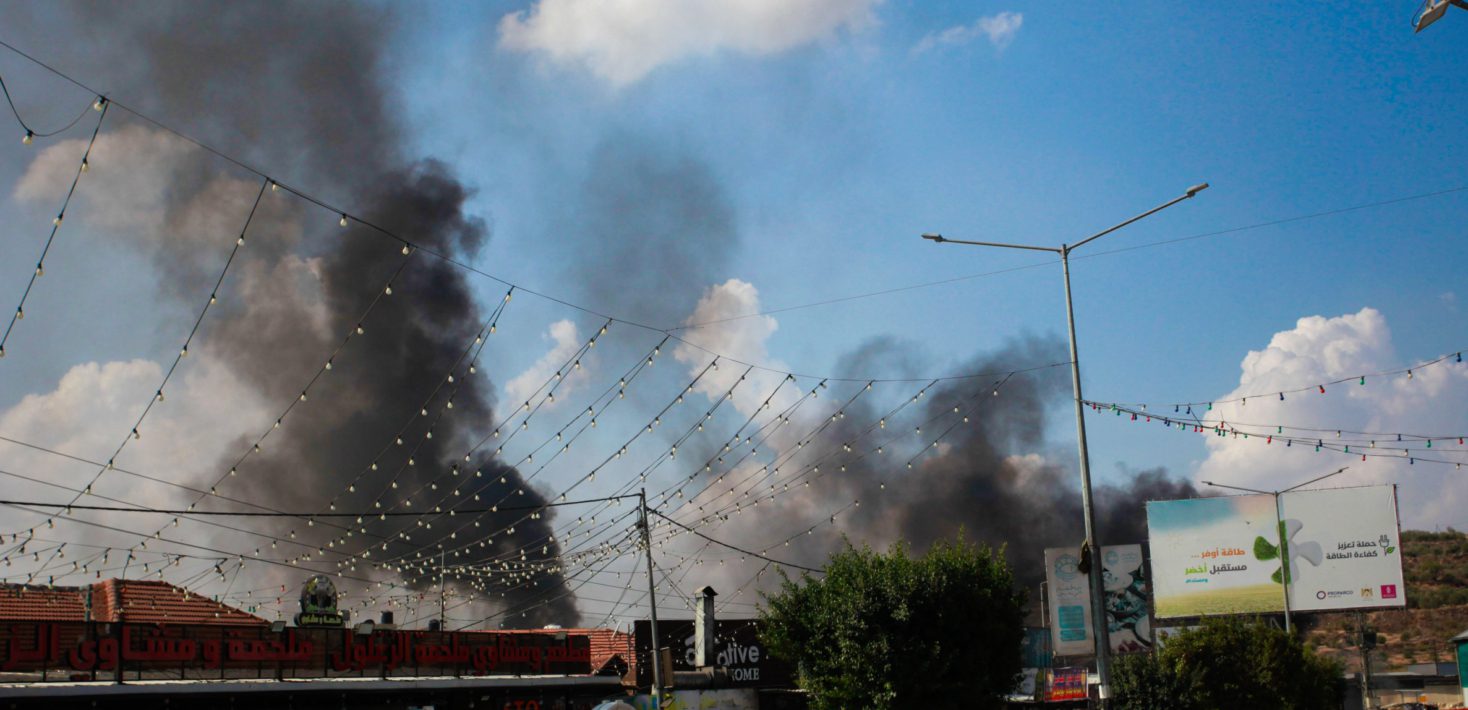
[933, 237]
[1194, 190]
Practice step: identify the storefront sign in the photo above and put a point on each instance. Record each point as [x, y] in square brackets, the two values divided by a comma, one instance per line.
[298, 653]
[736, 646]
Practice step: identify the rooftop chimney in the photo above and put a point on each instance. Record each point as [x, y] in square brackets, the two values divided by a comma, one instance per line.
[703, 628]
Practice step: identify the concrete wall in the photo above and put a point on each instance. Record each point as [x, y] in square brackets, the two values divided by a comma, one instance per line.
[728, 699]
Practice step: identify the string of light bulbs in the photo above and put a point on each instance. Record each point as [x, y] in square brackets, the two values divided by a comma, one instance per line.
[1364, 448]
[30, 132]
[1455, 358]
[40, 270]
[347, 217]
[1370, 438]
[158, 397]
[621, 451]
[812, 471]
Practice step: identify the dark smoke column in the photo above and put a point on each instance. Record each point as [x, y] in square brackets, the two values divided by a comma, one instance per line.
[299, 89]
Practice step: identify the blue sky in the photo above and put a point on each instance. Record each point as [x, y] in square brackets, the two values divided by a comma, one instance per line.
[838, 154]
[830, 140]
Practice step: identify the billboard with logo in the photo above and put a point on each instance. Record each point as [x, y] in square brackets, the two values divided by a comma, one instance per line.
[1125, 579]
[1230, 555]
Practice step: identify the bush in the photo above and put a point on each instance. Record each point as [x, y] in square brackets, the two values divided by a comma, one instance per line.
[892, 631]
[1229, 663]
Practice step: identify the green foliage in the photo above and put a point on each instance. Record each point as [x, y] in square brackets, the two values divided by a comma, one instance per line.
[890, 630]
[1228, 663]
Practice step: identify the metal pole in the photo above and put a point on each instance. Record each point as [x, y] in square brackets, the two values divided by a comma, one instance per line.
[1098, 589]
[1366, 699]
[442, 557]
[1098, 601]
[1284, 557]
[652, 602]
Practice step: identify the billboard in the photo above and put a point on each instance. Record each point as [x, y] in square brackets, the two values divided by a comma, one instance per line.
[1230, 555]
[1125, 580]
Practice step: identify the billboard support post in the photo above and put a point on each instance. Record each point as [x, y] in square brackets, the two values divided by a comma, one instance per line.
[1284, 555]
[1284, 552]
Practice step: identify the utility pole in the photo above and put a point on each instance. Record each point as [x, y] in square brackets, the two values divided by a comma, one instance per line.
[656, 655]
[1098, 590]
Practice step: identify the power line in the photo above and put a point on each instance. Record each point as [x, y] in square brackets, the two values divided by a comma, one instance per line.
[733, 547]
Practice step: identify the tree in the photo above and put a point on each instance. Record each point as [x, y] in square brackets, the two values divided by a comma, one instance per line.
[1228, 663]
[892, 631]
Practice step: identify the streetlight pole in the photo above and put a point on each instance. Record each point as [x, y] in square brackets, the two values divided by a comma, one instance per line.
[1098, 600]
[1284, 553]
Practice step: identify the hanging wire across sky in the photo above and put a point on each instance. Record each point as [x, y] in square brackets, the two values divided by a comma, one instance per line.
[672, 331]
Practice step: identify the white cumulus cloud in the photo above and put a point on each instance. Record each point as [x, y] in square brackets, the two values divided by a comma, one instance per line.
[999, 29]
[746, 339]
[527, 385]
[205, 411]
[1320, 350]
[621, 41]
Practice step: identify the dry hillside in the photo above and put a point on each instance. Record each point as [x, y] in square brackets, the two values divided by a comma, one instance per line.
[1436, 568]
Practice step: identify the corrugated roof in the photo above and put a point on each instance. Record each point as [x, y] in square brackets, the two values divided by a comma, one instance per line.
[142, 601]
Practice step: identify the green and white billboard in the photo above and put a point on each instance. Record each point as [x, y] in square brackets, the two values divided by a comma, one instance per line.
[1228, 555]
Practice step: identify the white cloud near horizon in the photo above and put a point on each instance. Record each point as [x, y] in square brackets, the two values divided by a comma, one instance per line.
[999, 29]
[1321, 350]
[622, 41]
[566, 340]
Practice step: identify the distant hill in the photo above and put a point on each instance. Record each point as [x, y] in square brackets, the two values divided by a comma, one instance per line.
[1435, 566]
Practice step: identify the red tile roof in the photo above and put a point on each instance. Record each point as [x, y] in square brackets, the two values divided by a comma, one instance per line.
[606, 644]
[158, 602]
[148, 602]
[22, 602]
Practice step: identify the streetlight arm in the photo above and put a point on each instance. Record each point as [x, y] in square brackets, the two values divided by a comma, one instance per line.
[1238, 488]
[1321, 478]
[940, 239]
[1275, 493]
[1194, 190]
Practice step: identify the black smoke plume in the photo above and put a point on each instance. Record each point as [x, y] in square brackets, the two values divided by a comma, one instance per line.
[301, 89]
[980, 479]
